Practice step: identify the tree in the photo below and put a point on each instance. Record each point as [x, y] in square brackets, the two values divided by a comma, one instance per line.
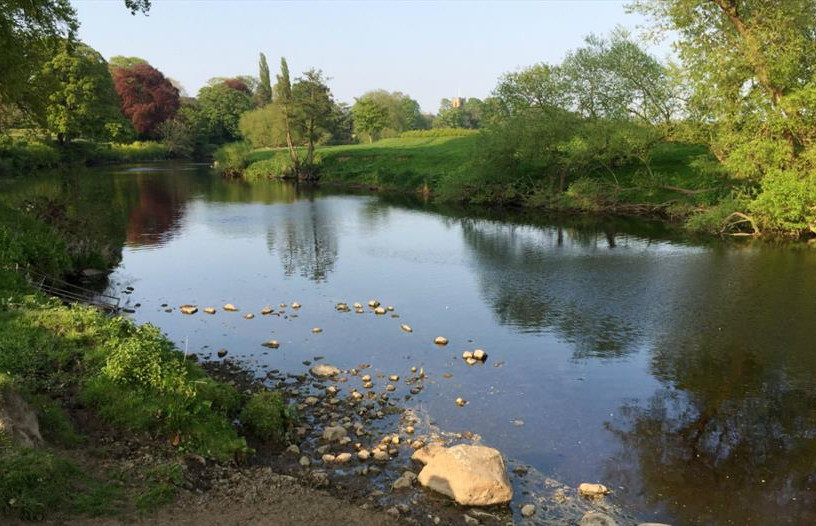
[313, 106]
[82, 100]
[403, 112]
[263, 94]
[31, 33]
[148, 97]
[264, 127]
[220, 108]
[750, 65]
[283, 96]
[121, 61]
[370, 117]
[467, 115]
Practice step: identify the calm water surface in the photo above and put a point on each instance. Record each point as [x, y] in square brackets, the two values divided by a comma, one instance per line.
[680, 374]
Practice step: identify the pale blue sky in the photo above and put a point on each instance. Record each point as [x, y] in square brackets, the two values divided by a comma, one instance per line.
[429, 50]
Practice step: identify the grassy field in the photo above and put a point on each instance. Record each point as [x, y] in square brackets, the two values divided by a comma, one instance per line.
[408, 164]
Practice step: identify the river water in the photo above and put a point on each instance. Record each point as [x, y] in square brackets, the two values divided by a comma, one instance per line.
[680, 373]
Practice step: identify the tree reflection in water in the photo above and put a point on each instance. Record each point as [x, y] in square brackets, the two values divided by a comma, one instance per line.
[305, 240]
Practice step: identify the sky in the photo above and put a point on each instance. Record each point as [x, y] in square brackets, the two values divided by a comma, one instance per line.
[428, 50]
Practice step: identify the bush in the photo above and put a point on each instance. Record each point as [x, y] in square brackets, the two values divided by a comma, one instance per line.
[22, 156]
[143, 384]
[231, 159]
[25, 241]
[267, 416]
[279, 165]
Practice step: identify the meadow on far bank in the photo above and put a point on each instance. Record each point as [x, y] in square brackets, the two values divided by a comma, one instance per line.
[679, 183]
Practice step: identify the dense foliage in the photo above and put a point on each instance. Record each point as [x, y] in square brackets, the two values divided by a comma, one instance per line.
[148, 98]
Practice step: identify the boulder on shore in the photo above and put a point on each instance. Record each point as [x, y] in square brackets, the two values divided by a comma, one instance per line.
[471, 475]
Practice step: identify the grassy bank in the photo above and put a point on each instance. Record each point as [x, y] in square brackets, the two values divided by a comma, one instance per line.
[19, 156]
[678, 181]
[96, 382]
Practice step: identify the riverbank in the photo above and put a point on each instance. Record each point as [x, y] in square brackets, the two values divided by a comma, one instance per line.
[20, 156]
[103, 418]
[681, 183]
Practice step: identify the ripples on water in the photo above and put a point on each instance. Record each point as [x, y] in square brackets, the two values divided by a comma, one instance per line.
[680, 374]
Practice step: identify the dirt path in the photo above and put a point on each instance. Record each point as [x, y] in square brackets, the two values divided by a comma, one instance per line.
[261, 497]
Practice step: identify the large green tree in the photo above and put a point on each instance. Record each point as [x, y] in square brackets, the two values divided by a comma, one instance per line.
[283, 97]
[263, 93]
[370, 117]
[31, 34]
[220, 107]
[751, 66]
[313, 112]
[402, 112]
[82, 101]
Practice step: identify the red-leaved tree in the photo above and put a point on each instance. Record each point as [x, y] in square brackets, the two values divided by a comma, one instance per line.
[148, 97]
[238, 85]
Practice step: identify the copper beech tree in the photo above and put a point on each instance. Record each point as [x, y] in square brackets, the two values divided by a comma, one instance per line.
[148, 97]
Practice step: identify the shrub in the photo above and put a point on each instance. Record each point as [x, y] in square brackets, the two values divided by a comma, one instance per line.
[267, 416]
[231, 159]
[22, 156]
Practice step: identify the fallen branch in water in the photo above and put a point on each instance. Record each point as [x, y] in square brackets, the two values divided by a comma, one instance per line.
[737, 218]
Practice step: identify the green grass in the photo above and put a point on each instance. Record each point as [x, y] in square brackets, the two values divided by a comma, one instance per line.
[406, 163]
[682, 177]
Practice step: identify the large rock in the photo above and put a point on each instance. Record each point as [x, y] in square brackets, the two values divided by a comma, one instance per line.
[18, 420]
[471, 475]
[324, 370]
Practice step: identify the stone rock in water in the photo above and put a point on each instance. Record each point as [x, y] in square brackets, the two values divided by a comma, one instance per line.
[266, 311]
[317, 330]
[221, 353]
[373, 304]
[230, 307]
[595, 518]
[441, 340]
[406, 328]
[528, 510]
[249, 316]
[593, 490]
[480, 355]
[189, 309]
[379, 311]
[272, 344]
[343, 458]
[18, 420]
[324, 370]
[209, 310]
[334, 433]
[471, 475]
[295, 305]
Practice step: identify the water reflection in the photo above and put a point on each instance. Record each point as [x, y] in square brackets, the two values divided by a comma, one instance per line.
[156, 213]
[716, 341]
[305, 240]
[732, 434]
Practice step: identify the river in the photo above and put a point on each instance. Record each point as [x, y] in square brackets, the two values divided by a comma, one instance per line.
[681, 373]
